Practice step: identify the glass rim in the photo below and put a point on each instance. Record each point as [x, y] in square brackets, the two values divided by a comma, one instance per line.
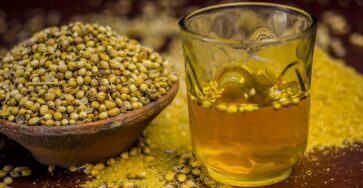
[235, 42]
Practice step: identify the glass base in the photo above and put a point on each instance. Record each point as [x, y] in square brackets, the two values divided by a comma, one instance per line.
[250, 181]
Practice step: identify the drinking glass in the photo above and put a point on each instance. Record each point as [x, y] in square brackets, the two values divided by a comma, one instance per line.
[248, 72]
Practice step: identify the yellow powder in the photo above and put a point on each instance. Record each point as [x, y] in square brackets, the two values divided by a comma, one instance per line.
[337, 103]
[336, 118]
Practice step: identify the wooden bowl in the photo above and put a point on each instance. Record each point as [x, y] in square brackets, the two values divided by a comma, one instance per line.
[86, 142]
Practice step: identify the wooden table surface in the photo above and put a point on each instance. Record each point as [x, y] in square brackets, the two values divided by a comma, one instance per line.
[329, 168]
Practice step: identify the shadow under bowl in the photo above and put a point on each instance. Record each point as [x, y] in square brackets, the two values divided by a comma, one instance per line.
[74, 145]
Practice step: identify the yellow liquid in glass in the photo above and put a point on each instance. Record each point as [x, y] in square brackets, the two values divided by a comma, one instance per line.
[249, 148]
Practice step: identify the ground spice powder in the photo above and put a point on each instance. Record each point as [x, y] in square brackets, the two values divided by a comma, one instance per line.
[336, 120]
[337, 104]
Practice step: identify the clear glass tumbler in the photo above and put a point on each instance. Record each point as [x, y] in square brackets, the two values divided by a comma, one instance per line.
[248, 72]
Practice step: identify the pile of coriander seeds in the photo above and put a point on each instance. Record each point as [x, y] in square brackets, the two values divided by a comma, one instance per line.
[79, 73]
